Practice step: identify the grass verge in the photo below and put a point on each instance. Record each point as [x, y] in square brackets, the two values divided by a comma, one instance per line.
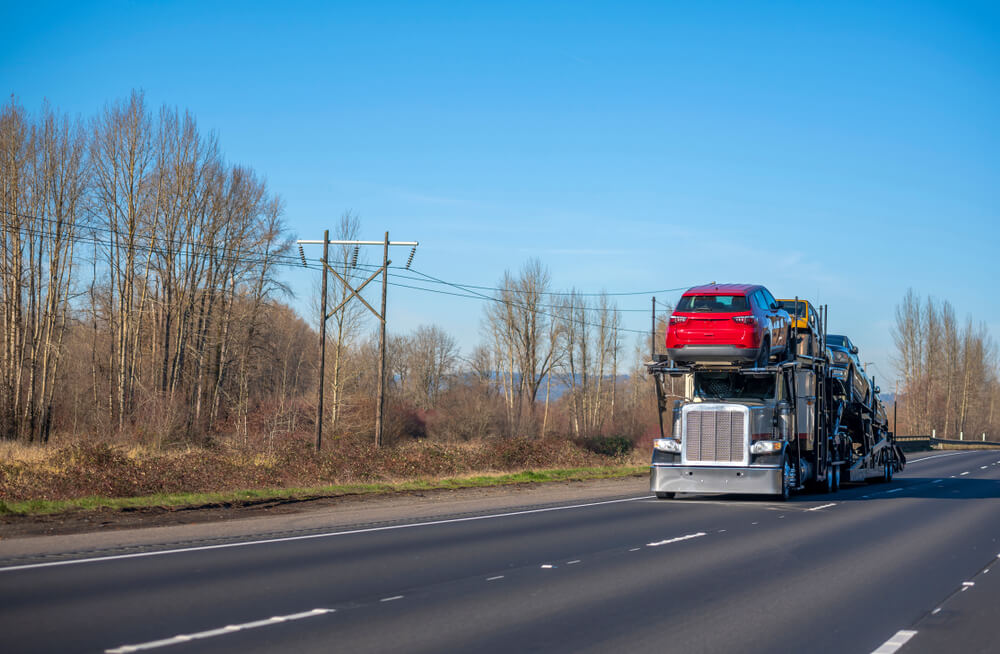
[259, 496]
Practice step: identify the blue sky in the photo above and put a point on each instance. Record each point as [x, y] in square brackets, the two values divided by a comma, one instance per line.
[842, 152]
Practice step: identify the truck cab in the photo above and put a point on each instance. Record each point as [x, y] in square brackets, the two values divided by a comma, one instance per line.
[731, 432]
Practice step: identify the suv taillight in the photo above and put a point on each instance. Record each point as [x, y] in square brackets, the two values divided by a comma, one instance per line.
[674, 320]
[746, 320]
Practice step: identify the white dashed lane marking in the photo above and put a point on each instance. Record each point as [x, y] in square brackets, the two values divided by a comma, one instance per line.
[494, 578]
[964, 473]
[676, 540]
[391, 599]
[825, 506]
[894, 643]
[228, 629]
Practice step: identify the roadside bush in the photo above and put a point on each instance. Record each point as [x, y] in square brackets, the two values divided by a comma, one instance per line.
[616, 446]
[109, 470]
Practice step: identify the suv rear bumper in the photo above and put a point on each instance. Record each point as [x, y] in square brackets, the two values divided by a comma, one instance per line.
[714, 353]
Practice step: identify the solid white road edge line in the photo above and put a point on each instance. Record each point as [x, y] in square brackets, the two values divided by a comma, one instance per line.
[229, 629]
[676, 540]
[894, 643]
[288, 539]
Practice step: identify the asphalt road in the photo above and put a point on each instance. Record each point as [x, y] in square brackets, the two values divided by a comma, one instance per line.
[858, 571]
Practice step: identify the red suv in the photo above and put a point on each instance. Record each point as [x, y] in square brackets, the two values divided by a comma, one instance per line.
[727, 323]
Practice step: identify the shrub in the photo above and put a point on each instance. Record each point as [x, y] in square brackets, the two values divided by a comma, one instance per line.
[616, 446]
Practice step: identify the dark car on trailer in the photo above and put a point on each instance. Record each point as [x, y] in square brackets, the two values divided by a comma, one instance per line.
[846, 368]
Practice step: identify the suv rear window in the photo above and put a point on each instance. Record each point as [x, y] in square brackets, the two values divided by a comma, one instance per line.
[713, 303]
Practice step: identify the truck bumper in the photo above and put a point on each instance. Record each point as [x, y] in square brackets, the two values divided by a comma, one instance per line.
[713, 354]
[705, 479]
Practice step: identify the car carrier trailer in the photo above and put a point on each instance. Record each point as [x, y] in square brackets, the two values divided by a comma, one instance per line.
[766, 430]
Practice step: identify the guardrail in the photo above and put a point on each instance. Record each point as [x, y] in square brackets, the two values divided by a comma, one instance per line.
[910, 443]
[970, 443]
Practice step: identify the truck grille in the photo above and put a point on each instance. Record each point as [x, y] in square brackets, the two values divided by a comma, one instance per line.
[715, 437]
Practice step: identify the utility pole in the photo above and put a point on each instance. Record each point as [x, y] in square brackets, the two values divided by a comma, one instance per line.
[354, 293]
[895, 403]
[380, 400]
[322, 343]
[652, 334]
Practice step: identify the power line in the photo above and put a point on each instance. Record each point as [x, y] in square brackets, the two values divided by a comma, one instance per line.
[470, 291]
[255, 257]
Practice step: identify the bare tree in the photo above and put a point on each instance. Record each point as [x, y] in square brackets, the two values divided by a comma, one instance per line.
[592, 346]
[431, 355]
[43, 177]
[519, 328]
[346, 322]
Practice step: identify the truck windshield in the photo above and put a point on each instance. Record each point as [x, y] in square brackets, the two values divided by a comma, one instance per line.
[733, 386]
[713, 303]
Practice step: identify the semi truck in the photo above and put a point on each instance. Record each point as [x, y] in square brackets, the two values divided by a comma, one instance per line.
[770, 430]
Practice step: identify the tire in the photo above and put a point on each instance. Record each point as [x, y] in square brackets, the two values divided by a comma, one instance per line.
[786, 487]
[836, 478]
[789, 353]
[660, 495]
[764, 355]
[887, 472]
[829, 487]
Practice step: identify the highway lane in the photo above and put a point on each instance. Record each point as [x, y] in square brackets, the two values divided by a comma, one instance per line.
[834, 573]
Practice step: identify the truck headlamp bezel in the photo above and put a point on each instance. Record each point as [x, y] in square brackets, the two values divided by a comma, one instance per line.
[667, 445]
[767, 447]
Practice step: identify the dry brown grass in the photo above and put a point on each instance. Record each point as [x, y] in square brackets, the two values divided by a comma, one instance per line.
[109, 470]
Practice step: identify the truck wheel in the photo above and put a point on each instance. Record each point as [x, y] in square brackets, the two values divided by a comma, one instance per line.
[836, 478]
[829, 488]
[660, 495]
[786, 481]
[887, 472]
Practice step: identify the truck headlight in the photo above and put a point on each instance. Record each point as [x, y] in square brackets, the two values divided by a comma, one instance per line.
[766, 447]
[667, 445]
[840, 373]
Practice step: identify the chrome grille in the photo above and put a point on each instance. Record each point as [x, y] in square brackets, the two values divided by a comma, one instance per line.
[714, 436]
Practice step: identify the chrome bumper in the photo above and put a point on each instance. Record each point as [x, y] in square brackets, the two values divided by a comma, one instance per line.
[705, 479]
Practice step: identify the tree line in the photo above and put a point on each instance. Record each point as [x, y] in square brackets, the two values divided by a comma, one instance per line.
[948, 370]
[137, 265]
[142, 297]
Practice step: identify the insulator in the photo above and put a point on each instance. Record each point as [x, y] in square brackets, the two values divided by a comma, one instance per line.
[354, 257]
[409, 260]
[302, 253]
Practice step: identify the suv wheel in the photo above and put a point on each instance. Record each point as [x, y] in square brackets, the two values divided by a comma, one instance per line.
[764, 355]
